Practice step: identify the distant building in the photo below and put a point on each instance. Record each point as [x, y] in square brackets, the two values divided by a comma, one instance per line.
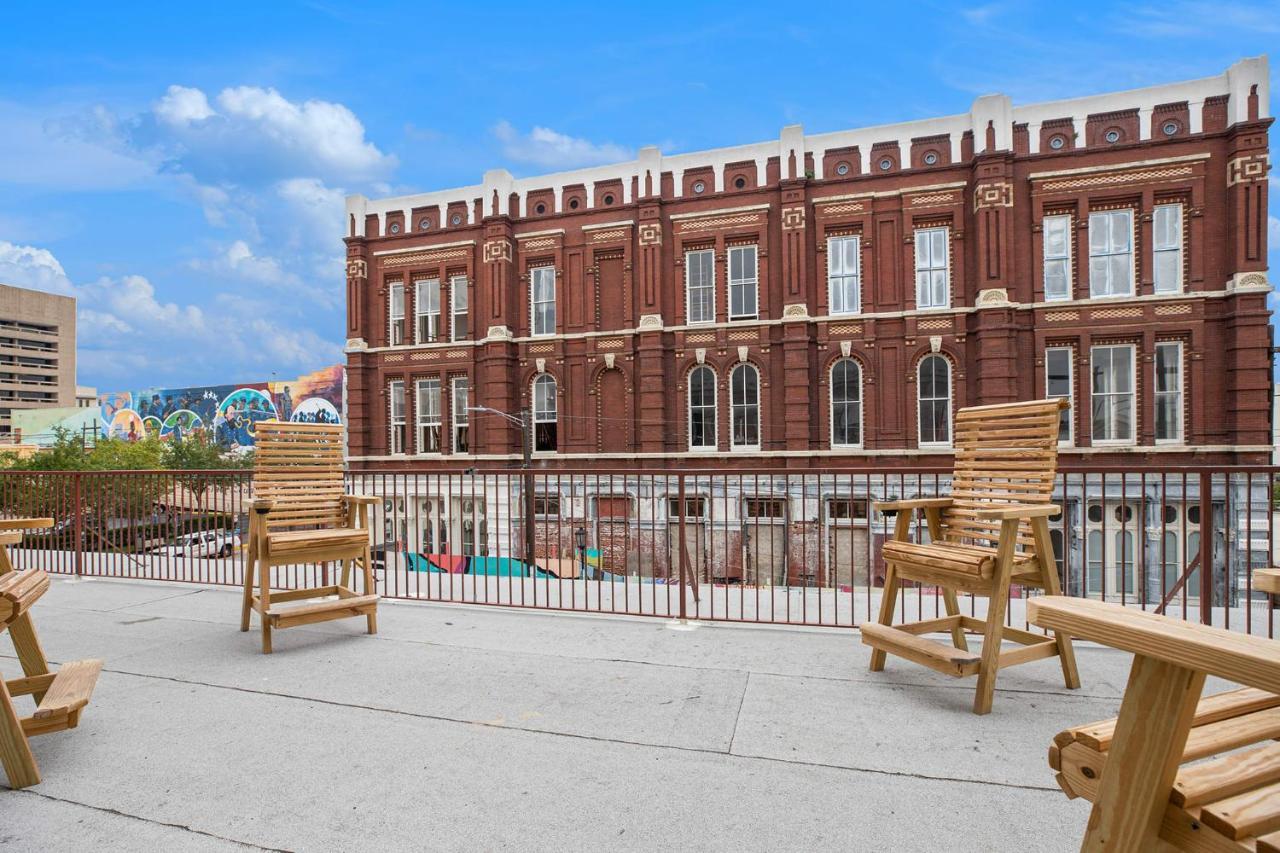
[37, 353]
[86, 396]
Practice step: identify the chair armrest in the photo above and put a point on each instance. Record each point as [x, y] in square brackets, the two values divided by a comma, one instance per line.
[261, 504]
[1242, 658]
[1003, 512]
[25, 523]
[914, 503]
[368, 500]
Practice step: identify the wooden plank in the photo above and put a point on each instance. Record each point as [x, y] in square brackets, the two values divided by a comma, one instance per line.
[71, 688]
[1269, 843]
[1047, 648]
[342, 608]
[321, 606]
[25, 523]
[1226, 776]
[30, 684]
[1267, 580]
[15, 753]
[1254, 812]
[1210, 709]
[1155, 715]
[1241, 658]
[945, 659]
[931, 626]
[1184, 831]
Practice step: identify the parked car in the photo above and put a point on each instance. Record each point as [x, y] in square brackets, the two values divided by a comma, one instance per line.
[203, 543]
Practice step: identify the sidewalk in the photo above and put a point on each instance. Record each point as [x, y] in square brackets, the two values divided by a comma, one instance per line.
[470, 728]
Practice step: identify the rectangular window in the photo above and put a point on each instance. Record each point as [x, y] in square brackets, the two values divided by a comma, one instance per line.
[461, 415]
[395, 314]
[1058, 385]
[395, 395]
[700, 285]
[426, 310]
[1111, 253]
[742, 283]
[1113, 394]
[461, 329]
[1167, 240]
[542, 304]
[844, 266]
[429, 421]
[932, 285]
[694, 507]
[1057, 257]
[546, 506]
[1169, 392]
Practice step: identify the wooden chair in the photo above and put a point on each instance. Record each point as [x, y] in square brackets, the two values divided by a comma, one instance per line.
[1267, 581]
[300, 514]
[992, 532]
[59, 696]
[1174, 770]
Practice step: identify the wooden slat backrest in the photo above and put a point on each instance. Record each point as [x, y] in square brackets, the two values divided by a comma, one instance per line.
[300, 468]
[1005, 454]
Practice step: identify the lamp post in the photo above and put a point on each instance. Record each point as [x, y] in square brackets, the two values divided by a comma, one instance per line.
[581, 535]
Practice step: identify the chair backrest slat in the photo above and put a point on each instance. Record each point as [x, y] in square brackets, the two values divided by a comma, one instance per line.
[300, 468]
[1005, 453]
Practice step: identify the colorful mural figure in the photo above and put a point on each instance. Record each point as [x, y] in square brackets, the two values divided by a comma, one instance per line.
[227, 413]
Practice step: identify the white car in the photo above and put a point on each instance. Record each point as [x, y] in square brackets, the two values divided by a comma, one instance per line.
[205, 543]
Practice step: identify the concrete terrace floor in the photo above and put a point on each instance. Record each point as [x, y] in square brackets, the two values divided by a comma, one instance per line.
[460, 727]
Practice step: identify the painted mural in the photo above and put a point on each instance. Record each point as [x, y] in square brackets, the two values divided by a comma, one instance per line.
[227, 413]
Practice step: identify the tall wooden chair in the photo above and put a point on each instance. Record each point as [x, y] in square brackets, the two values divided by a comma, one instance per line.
[300, 514]
[59, 696]
[1175, 771]
[992, 532]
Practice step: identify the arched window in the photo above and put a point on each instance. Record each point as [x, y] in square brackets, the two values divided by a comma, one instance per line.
[744, 400]
[933, 388]
[544, 413]
[702, 409]
[846, 404]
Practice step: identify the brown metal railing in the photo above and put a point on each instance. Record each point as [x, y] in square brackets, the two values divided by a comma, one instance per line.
[772, 546]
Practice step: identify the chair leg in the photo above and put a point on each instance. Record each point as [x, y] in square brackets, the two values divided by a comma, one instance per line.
[250, 561]
[952, 604]
[366, 562]
[346, 572]
[15, 753]
[888, 602]
[996, 607]
[1049, 572]
[264, 600]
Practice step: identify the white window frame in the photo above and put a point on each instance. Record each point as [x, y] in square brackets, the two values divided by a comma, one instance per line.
[688, 290]
[714, 407]
[427, 419]
[1063, 259]
[928, 269]
[1160, 247]
[1177, 392]
[920, 399]
[1098, 216]
[534, 274]
[734, 405]
[540, 412]
[458, 285]
[396, 426]
[395, 314]
[460, 412]
[1132, 394]
[839, 279]
[831, 404]
[1070, 439]
[422, 288]
[748, 285]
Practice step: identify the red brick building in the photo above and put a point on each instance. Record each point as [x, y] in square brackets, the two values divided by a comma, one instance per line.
[816, 300]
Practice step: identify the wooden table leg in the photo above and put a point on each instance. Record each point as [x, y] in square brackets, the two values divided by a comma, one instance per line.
[1151, 732]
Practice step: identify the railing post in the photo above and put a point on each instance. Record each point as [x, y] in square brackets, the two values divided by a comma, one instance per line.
[684, 559]
[77, 500]
[1206, 547]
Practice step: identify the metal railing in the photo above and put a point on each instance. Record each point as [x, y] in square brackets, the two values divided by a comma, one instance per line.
[772, 546]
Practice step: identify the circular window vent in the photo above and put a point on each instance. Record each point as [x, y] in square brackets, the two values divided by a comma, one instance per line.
[931, 158]
[842, 168]
[886, 164]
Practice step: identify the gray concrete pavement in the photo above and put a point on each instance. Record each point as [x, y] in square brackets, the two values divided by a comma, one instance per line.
[462, 728]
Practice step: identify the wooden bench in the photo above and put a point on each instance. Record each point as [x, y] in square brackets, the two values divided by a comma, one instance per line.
[1267, 580]
[1174, 768]
[990, 533]
[300, 515]
[59, 696]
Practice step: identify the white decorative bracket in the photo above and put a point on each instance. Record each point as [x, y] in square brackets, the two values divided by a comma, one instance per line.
[542, 364]
[935, 343]
[609, 358]
[700, 355]
[846, 347]
[742, 354]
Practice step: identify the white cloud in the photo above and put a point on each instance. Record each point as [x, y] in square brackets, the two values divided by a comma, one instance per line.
[182, 105]
[38, 269]
[550, 149]
[127, 333]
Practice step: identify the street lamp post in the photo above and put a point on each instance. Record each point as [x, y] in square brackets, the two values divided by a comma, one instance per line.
[524, 422]
[581, 535]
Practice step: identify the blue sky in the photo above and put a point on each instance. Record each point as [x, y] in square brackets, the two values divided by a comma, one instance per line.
[180, 168]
